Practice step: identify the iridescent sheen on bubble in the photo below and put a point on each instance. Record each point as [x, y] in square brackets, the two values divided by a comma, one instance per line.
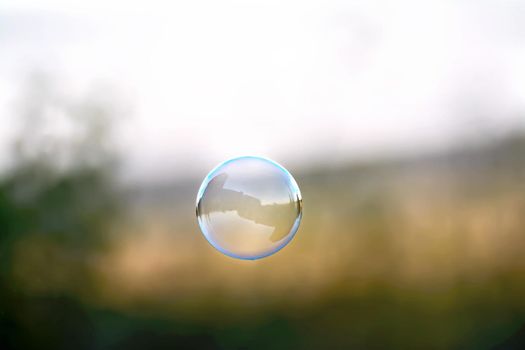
[249, 207]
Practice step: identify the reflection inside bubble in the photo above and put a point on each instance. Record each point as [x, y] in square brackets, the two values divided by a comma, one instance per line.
[249, 207]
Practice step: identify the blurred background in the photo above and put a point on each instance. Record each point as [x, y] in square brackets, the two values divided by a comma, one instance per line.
[403, 124]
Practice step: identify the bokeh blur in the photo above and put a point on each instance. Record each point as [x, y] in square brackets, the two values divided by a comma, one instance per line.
[403, 124]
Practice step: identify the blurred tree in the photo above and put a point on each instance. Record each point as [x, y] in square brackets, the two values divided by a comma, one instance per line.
[60, 186]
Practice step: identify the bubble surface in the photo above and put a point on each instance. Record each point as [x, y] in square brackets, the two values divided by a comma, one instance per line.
[249, 207]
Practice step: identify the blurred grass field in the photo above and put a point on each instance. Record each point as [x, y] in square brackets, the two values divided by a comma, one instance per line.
[423, 252]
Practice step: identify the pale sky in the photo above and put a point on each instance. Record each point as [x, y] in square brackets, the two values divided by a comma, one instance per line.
[293, 81]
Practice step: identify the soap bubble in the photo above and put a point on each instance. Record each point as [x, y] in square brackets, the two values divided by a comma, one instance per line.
[249, 207]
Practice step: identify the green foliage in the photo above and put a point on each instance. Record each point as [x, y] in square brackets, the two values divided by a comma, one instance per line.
[60, 187]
